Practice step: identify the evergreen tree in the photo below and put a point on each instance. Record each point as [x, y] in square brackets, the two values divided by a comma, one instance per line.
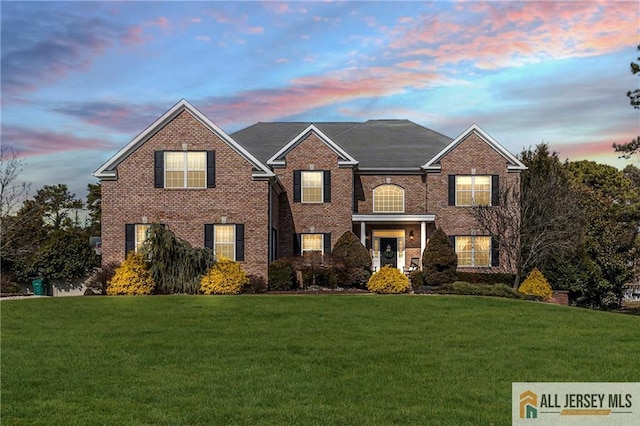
[439, 260]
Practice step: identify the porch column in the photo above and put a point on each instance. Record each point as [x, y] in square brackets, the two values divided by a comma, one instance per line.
[423, 239]
[363, 233]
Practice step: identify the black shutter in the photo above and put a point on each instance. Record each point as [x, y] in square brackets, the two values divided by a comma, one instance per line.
[452, 190]
[495, 190]
[327, 186]
[239, 242]
[495, 252]
[297, 242]
[297, 186]
[211, 169]
[327, 243]
[452, 241]
[158, 174]
[208, 236]
[129, 238]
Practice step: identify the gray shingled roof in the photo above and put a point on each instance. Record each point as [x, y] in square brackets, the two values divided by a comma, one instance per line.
[375, 144]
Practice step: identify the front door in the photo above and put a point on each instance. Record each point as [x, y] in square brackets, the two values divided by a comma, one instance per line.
[389, 252]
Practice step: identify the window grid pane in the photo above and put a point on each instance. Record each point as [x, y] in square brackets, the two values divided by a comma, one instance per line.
[388, 199]
[473, 190]
[311, 187]
[141, 235]
[185, 169]
[311, 242]
[473, 251]
[225, 241]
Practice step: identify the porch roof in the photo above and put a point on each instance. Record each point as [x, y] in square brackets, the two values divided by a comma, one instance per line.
[393, 217]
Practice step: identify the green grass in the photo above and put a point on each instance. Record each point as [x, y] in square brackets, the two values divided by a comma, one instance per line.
[300, 359]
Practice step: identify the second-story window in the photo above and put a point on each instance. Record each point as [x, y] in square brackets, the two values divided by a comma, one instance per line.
[473, 190]
[311, 187]
[186, 169]
[388, 199]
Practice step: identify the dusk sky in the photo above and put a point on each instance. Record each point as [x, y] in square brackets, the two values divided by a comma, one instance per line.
[81, 79]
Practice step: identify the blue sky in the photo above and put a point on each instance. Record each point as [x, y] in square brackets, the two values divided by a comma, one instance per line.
[81, 79]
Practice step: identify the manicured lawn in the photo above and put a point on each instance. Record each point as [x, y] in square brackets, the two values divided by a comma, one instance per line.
[361, 359]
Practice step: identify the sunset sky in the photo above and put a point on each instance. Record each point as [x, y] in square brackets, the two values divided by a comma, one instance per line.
[81, 79]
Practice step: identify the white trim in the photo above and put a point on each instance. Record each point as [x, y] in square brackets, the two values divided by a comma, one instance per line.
[108, 169]
[393, 217]
[278, 158]
[474, 128]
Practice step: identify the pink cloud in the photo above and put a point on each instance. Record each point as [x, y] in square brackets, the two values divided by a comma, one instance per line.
[40, 141]
[254, 30]
[508, 34]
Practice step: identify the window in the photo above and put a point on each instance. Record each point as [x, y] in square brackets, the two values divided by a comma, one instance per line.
[388, 199]
[473, 190]
[473, 251]
[312, 242]
[140, 236]
[311, 187]
[225, 240]
[187, 169]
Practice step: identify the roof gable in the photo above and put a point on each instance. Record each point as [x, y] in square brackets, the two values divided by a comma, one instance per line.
[108, 170]
[513, 162]
[344, 159]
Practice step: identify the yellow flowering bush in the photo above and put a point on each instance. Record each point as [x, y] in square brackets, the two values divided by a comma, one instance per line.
[131, 278]
[224, 277]
[388, 280]
[536, 285]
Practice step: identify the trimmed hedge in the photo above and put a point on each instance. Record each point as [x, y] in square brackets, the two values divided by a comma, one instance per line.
[131, 278]
[485, 278]
[388, 280]
[224, 277]
[281, 275]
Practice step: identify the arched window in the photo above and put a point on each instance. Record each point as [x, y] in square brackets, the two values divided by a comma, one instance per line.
[388, 199]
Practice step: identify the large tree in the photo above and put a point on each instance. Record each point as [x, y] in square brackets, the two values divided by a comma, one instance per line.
[630, 148]
[536, 222]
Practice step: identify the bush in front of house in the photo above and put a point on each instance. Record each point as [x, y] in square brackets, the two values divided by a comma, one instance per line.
[439, 260]
[256, 284]
[464, 288]
[485, 278]
[536, 285]
[352, 261]
[417, 279]
[96, 282]
[131, 278]
[388, 280]
[224, 277]
[281, 275]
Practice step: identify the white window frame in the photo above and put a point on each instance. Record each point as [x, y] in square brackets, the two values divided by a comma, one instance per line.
[216, 240]
[185, 169]
[302, 248]
[474, 251]
[377, 196]
[303, 187]
[473, 190]
[137, 242]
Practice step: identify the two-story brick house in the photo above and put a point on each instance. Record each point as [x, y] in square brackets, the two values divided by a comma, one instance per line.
[282, 189]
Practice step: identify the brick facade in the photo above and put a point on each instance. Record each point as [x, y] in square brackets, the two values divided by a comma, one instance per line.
[264, 203]
[236, 197]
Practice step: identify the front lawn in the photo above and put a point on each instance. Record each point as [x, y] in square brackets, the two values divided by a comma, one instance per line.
[297, 359]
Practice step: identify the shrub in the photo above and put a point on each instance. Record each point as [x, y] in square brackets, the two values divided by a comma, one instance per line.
[98, 279]
[417, 279]
[485, 278]
[131, 278]
[224, 277]
[464, 288]
[388, 280]
[8, 284]
[536, 285]
[176, 266]
[352, 261]
[256, 284]
[439, 260]
[281, 275]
